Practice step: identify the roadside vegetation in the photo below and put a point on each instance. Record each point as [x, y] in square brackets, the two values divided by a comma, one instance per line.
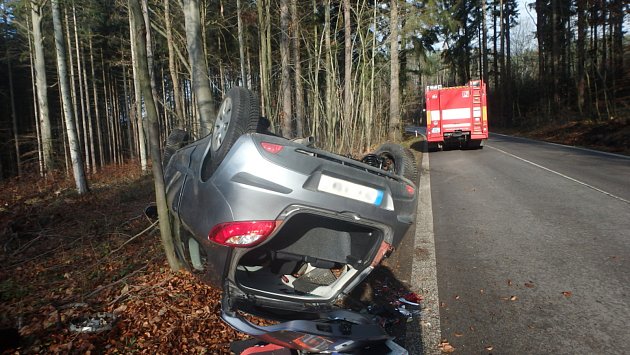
[92, 92]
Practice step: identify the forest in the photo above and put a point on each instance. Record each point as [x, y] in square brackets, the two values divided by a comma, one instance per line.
[350, 73]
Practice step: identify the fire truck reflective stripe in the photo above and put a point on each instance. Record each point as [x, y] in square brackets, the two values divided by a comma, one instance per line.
[456, 125]
[435, 115]
[456, 114]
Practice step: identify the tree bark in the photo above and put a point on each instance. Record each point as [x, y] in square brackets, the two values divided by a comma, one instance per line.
[73, 142]
[394, 91]
[348, 104]
[241, 43]
[14, 125]
[42, 86]
[299, 87]
[201, 82]
[99, 131]
[142, 69]
[177, 91]
[86, 137]
[285, 83]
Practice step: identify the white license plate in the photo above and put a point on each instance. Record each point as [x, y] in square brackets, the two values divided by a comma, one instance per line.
[350, 190]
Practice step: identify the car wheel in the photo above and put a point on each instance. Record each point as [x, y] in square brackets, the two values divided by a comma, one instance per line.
[399, 160]
[176, 140]
[239, 114]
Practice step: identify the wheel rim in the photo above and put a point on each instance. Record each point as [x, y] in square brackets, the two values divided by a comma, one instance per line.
[222, 124]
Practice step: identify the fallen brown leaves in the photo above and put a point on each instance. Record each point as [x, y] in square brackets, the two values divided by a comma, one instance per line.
[445, 347]
[59, 262]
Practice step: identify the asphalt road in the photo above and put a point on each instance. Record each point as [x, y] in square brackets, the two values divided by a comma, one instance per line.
[532, 244]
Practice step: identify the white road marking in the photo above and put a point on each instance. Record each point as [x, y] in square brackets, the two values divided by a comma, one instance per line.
[424, 270]
[561, 174]
[564, 146]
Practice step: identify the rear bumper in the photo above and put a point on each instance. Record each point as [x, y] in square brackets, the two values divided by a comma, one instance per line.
[335, 331]
[436, 138]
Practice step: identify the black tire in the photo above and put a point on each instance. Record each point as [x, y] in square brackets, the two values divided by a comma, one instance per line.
[475, 144]
[399, 160]
[176, 140]
[239, 114]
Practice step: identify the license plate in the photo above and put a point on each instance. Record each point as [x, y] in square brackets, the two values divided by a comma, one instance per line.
[350, 190]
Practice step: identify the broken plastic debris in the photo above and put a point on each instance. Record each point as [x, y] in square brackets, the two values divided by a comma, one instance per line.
[413, 297]
[97, 322]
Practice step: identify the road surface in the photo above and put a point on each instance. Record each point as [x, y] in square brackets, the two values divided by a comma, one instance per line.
[532, 243]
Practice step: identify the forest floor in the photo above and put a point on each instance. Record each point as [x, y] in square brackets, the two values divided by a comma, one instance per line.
[66, 257]
[609, 136]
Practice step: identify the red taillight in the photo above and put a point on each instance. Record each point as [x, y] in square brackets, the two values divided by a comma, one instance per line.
[272, 147]
[242, 234]
[410, 190]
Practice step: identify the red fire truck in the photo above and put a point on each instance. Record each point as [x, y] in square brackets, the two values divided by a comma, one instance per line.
[457, 115]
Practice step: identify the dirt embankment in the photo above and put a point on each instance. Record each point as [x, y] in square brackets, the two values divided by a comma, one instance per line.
[610, 136]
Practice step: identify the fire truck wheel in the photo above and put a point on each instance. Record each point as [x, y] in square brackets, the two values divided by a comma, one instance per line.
[475, 144]
[433, 147]
[399, 160]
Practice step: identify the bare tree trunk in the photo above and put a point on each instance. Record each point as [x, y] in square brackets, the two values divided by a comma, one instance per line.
[394, 91]
[241, 42]
[14, 126]
[42, 86]
[285, 84]
[152, 118]
[177, 91]
[484, 43]
[299, 88]
[86, 137]
[370, 119]
[137, 106]
[330, 120]
[73, 142]
[96, 108]
[40, 158]
[73, 89]
[131, 114]
[201, 83]
[348, 104]
[89, 116]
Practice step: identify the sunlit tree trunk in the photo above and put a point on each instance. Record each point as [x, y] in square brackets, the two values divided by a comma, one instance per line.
[142, 69]
[201, 83]
[328, 104]
[299, 88]
[82, 94]
[370, 116]
[285, 83]
[348, 104]
[394, 91]
[177, 91]
[42, 86]
[99, 132]
[89, 115]
[241, 42]
[73, 142]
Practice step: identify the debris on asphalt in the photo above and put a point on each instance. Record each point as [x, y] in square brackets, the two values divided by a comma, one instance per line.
[445, 347]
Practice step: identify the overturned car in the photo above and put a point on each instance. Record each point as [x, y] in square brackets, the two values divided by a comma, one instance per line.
[283, 228]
